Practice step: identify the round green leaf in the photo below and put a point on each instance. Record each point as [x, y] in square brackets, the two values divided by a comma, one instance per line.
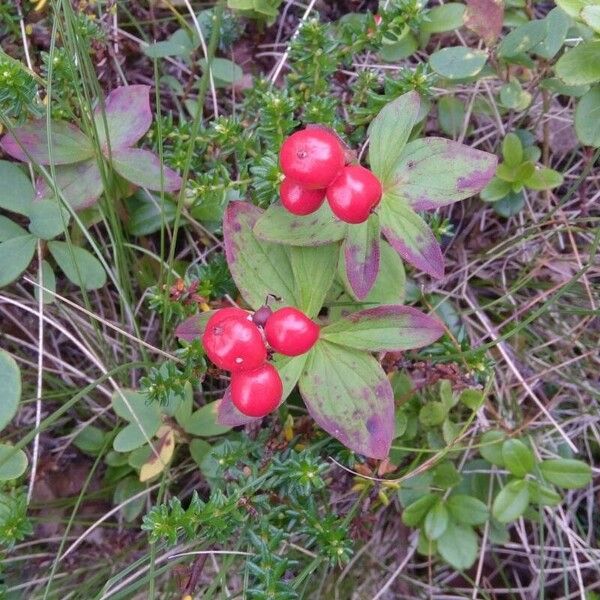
[491, 447]
[10, 379]
[581, 65]
[458, 546]
[203, 422]
[436, 521]
[518, 458]
[414, 514]
[90, 440]
[444, 18]
[13, 467]
[47, 219]
[9, 229]
[472, 399]
[566, 472]
[467, 509]
[80, 266]
[15, 256]
[433, 414]
[523, 38]
[511, 502]
[458, 62]
[16, 191]
[199, 450]
[587, 118]
[126, 488]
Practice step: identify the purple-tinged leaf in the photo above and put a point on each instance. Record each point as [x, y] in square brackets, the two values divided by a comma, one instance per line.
[30, 143]
[80, 184]
[259, 268]
[143, 168]
[361, 256]
[348, 394]
[128, 117]
[280, 226]
[229, 416]
[433, 172]
[193, 327]
[385, 328]
[389, 133]
[410, 236]
[485, 18]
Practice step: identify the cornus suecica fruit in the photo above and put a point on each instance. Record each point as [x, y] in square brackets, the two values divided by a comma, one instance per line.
[290, 332]
[258, 392]
[312, 157]
[354, 194]
[299, 200]
[233, 342]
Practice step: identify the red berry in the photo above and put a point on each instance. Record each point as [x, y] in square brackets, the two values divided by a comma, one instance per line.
[299, 200]
[312, 157]
[257, 393]
[223, 313]
[354, 194]
[290, 332]
[234, 343]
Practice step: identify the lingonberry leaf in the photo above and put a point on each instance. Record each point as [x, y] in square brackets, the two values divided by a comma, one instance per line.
[389, 133]
[259, 268]
[361, 256]
[80, 184]
[30, 142]
[314, 269]
[128, 117]
[433, 172]
[391, 328]
[193, 327]
[348, 394]
[144, 168]
[410, 236]
[317, 229]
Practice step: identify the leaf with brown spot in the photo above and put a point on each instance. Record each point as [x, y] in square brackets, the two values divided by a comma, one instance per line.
[156, 464]
[485, 18]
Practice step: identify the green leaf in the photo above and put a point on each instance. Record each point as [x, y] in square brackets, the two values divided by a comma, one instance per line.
[125, 489]
[80, 266]
[290, 368]
[13, 467]
[522, 39]
[203, 422]
[451, 114]
[410, 236]
[491, 447]
[511, 502]
[522, 173]
[129, 438]
[512, 150]
[581, 65]
[467, 509]
[447, 397]
[258, 268]
[9, 229]
[510, 205]
[391, 328]
[349, 396]
[558, 23]
[403, 47]
[389, 133]
[444, 18]
[280, 226]
[513, 96]
[458, 546]
[144, 419]
[587, 118]
[432, 414]
[495, 190]
[199, 450]
[458, 62]
[313, 271]
[472, 399]
[16, 192]
[542, 495]
[10, 376]
[544, 179]
[414, 514]
[225, 72]
[517, 457]
[148, 213]
[48, 280]
[178, 44]
[436, 521]
[90, 440]
[574, 7]
[591, 15]
[446, 476]
[15, 256]
[566, 472]
[47, 219]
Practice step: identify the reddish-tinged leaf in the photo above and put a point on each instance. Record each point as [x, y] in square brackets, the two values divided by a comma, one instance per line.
[485, 18]
[143, 168]
[30, 142]
[259, 268]
[193, 328]
[128, 117]
[410, 236]
[80, 183]
[349, 396]
[361, 256]
[228, 415]
[433, 172]
[391, 328]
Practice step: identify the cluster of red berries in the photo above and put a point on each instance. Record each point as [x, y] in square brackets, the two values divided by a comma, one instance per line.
[313, 162]
[236, 341]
